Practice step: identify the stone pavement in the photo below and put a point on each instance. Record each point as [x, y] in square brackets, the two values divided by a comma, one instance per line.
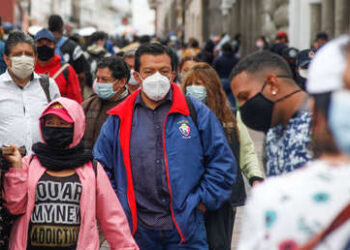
[258, 139]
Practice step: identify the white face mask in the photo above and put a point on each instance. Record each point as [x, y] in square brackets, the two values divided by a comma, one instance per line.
[22, 66]
[156, 86]
[132, 80]
[303, 73]
[259, 44]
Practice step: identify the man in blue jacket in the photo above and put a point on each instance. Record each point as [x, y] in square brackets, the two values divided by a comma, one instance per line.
[166, 169]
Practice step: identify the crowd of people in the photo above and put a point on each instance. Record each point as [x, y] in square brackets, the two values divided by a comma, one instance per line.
[146, 145]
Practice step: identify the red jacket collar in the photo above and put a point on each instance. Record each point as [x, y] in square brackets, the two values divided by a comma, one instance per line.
[179, 104]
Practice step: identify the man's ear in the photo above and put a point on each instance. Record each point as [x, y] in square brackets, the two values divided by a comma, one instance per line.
[272, 85]
[7, 60]
[123, 80]
[173, 76]
[137, 77]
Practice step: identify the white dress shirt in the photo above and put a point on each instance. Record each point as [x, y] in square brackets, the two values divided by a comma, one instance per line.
[20, 110]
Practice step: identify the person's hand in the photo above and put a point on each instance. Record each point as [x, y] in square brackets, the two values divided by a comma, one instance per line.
[13, 156]
[201, 207]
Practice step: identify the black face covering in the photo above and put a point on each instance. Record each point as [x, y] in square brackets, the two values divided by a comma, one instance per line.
[45, 53]
[301, 81]
[257, 112]
[58, 137]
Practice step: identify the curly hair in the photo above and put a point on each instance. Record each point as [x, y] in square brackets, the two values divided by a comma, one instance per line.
[216, 98]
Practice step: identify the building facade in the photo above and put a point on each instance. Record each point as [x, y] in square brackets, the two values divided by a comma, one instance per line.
[105, 15]
[301, 19]
[15, 12]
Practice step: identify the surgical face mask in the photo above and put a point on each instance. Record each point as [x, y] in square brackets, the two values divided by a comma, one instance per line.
[156, 86]
[132, 80]
[339, 119]
[181, 76]
[259, 44]
[197, 91]
[105, 90]
[22, 66]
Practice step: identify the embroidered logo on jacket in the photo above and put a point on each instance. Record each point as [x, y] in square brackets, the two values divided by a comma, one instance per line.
[185, 130]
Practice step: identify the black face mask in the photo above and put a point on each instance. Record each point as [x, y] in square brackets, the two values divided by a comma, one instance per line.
[58, 137]
[45, 53]
[301, 81]
[257, 112]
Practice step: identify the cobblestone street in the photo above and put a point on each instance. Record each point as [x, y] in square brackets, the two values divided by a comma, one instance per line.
[258, 139]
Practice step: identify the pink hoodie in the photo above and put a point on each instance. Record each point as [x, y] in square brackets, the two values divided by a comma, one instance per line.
[98, 199]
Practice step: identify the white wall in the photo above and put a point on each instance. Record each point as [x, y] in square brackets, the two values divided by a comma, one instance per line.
[143, 18]
[194, 21]
[40, 11]
[300, 23]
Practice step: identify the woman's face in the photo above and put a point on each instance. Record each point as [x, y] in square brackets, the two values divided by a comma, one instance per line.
[54, 121]
[186, 66]
[196, 81]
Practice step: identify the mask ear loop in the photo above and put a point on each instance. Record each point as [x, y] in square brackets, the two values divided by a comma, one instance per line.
[120, 90]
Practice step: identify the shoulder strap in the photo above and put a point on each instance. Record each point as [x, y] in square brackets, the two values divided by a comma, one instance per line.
[31, 158]
[94, 166]
[337, 222]
[45, 84]
[63, 68]
[193, 112]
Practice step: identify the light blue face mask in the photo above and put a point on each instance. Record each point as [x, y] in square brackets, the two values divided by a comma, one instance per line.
[339, 119]
[197, 91]
[105, 90]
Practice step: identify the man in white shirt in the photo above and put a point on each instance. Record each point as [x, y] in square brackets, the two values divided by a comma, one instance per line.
[23, 95]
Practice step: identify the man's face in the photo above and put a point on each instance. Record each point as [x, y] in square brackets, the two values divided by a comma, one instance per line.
[187, 65]
[151, 64]
[245, 86]
[104, 75]
[130, 61]
[46, 42]
[20, 49]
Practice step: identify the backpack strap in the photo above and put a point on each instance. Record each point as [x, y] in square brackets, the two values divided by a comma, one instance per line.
[64, 69]
[193, 113]
[45, 84]
[337, 222]
[31, 158]
[94, 166]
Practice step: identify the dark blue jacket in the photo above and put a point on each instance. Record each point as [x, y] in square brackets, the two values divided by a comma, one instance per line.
[224, 64]
[3, 65]
[200, 166]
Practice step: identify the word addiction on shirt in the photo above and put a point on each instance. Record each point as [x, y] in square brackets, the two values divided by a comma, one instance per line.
[55, 221]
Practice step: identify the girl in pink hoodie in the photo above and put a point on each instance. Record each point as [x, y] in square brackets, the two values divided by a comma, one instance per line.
[58, 192]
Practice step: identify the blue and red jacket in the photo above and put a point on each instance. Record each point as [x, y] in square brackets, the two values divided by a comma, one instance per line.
[199, 163]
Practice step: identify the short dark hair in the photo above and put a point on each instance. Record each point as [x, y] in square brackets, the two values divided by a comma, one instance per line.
[98, 35]
[205, 56]
[155, 49]
[226, 47]
[15, 38]
[322, 35]
[259, 61]
[55, 23]
[117, 66]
